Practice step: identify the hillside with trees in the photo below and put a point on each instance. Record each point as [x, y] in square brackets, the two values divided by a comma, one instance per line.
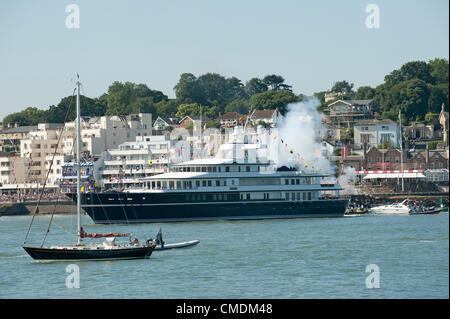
[417, 89]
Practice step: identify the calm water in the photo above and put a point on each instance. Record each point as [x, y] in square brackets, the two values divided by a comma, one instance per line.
[297, 258]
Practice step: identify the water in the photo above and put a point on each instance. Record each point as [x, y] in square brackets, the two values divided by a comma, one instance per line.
[296, 258]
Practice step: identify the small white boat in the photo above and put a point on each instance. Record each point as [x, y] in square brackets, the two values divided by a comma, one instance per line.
[183, 244]
[394, 208]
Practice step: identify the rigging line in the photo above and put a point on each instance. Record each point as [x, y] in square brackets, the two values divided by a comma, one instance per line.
[50, 167]
[50, 222]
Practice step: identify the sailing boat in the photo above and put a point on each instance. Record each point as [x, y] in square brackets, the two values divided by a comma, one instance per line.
[104, 251]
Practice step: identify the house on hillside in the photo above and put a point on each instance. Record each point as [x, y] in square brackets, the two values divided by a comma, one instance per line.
[162, 122]
[267, 116]
[345, 113]
[231, 119]
[376, 132]
[193, 120]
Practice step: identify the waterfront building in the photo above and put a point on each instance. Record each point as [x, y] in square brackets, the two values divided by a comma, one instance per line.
[390, 159]
[107, 132]
[124, 166]
[39, 148]
[11, 137]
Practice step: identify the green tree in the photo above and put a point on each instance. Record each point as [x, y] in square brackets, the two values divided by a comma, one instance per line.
[276, 82]
[364, 93]
[255, 86]
[30, 116]
[241, 106]
[126, 98]
[273, 99]
[342, 87]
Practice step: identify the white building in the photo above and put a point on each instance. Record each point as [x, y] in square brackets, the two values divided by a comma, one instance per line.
[122, 167]
[107, 132]
[376, 132]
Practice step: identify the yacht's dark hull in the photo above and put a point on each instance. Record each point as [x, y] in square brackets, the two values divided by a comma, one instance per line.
[40, 253]
[106, 208]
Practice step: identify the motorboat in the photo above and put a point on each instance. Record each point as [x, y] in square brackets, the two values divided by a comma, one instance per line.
[394, 208]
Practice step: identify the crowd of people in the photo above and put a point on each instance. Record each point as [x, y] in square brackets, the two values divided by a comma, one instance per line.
[33, 196]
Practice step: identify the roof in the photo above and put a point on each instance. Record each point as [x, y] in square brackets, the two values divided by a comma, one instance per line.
[196, 118]
[231, 116]
[20, 129]
[169, 120]
[374, 122]
[353, 102]
[264, 114]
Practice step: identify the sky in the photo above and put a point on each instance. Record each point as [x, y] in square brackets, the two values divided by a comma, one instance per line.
[312, 44]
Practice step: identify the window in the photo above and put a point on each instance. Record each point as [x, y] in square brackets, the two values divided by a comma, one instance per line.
[365, 138]
[209, 183]
[286, 181]
[197, 183]
[247, 168]
[227, 169]
[309, 195]
[217, 183]
[247, 195]
[385, 137]
[287, 196]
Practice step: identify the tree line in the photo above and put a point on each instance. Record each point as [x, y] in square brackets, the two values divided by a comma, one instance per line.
[416, 89]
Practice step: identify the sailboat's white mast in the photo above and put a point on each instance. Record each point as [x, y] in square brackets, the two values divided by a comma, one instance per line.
[78, 165]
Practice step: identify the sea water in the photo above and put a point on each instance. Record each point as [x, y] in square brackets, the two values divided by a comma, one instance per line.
[350, 257]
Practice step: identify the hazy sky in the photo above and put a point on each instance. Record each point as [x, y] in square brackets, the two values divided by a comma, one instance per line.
[312, 44]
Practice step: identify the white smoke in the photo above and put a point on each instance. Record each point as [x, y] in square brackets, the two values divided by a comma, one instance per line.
[297, 140]
[347, 180]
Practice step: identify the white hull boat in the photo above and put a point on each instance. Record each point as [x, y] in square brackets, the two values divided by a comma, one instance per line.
[395, 208]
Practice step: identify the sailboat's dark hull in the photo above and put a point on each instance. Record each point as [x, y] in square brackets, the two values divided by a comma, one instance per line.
[39, 253]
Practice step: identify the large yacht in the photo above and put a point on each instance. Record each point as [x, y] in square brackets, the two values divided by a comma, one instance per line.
[236, 184]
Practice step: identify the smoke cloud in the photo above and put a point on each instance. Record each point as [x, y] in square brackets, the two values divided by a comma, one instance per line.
[297, 140]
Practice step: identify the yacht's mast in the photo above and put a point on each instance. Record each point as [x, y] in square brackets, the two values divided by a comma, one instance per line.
[78, 166]
[401, 148]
